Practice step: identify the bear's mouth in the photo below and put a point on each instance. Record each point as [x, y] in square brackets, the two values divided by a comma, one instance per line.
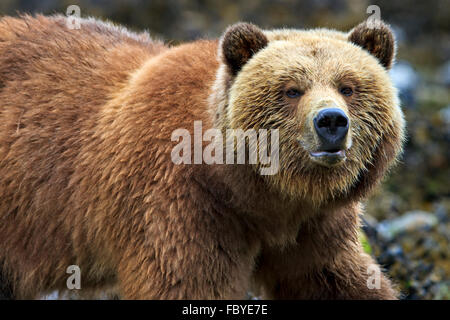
[328, 158]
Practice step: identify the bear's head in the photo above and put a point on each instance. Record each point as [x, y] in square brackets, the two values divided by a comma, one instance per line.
[329, 95]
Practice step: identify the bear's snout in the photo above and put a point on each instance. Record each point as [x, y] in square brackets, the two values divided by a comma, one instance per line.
[331, 126]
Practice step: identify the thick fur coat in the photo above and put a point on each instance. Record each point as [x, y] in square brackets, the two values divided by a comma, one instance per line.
[86, 176]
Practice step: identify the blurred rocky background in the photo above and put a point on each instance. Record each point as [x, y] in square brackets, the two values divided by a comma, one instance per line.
[406, 224]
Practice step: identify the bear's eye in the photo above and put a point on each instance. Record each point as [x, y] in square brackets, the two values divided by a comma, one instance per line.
[293, 93]
[346, 91]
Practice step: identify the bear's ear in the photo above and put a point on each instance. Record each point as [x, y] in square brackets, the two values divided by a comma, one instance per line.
[239, 43]
[376, 37]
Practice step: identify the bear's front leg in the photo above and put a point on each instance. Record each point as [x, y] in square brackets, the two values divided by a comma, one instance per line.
[327, 262]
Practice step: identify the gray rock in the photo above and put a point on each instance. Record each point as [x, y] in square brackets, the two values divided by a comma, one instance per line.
[404, 76]
[444, 73]
[410, 221]
[445, 114]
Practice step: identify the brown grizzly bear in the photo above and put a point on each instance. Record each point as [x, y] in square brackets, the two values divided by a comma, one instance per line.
[87, 178]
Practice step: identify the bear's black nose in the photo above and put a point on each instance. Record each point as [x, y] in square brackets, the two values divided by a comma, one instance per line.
[331, 125]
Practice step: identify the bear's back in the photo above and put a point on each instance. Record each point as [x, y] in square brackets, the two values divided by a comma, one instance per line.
[86, 117]
[54, 82]
[45, 51]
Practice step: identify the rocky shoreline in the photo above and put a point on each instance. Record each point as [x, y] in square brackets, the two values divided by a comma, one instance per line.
[413, 250]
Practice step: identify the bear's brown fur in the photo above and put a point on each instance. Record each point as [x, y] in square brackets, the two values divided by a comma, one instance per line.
[86, 176]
